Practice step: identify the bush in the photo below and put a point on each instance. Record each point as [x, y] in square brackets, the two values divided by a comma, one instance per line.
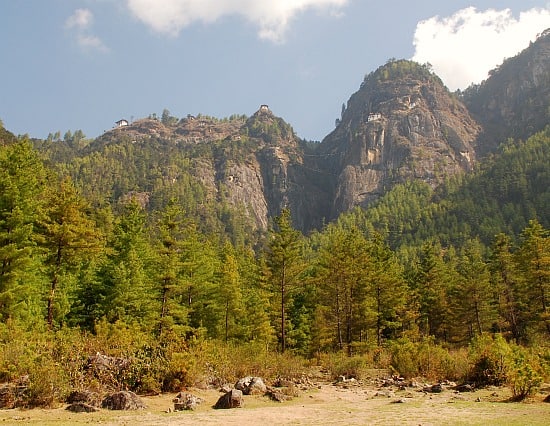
[427, 359]
[488, 357]
[340, 364]
[524, 376]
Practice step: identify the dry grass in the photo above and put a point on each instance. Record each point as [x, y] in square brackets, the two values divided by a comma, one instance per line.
[325, 403]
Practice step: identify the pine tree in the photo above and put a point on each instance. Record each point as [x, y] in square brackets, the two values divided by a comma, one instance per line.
[533, 259]
[342, 274]
[285, 266]
[472, 296]
[171, 234]
[70, 237]
[127, 275]
[386, 289]
[505, 281]
[22, 182]
[430, 285]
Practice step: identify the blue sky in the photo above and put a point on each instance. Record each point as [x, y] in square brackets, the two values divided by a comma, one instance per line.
[83, 64]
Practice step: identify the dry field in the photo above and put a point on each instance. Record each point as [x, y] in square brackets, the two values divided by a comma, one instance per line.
[324, 404]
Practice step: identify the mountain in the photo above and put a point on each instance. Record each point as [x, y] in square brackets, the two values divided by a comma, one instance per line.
[234, 174]
[402, 124]
[514, 102]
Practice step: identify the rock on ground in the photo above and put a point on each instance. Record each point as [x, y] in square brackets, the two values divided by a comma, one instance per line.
[123, 400]
[232, 399]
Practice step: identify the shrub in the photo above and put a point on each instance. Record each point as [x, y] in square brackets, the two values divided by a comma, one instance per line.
[523, 377]
[488, 357]
[340, 364]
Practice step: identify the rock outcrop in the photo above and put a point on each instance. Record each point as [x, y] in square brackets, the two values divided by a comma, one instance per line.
[402, 124]
[514, 101]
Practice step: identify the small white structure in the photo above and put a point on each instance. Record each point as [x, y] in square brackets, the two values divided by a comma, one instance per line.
[264, 108]
[374, 116]
[121, 123]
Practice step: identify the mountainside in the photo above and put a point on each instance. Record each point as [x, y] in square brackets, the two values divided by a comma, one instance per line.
[402, 124]
[515, 100]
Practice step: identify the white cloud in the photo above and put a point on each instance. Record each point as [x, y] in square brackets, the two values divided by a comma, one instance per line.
[80, 19]
[464, 47]
[271, 16]
[80, 22]
[91, 42]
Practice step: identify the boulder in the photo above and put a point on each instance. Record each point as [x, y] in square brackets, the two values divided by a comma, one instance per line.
[433, 389]
[123, 400]
[251, 386]
[85, 397]
[464, 388]
[232, 399]
[186, 401]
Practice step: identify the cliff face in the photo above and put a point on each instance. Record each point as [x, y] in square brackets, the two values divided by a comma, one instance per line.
[514, 101]
[402, 124]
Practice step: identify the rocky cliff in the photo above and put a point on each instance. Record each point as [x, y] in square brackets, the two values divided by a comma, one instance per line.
[401, 124]
[515, 100]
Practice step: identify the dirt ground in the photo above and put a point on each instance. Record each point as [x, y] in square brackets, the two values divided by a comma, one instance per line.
[349, 403]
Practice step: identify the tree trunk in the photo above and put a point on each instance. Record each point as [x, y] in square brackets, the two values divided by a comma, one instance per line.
[283, 285]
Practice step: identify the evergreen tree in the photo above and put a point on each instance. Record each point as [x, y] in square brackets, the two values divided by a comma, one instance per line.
[127, 274]
[285, 266]
[505, 281]
[472, 295]
[430, 284]
[22, 182]
[533, 259]
[342, 278]
[386, 290]
[70, 237]
[171, 234]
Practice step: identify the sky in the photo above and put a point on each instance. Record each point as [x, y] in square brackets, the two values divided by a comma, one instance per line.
[84, 64]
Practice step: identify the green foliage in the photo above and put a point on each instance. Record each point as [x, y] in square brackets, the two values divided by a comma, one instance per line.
[427, 359]
[524, 375]
[489, 357]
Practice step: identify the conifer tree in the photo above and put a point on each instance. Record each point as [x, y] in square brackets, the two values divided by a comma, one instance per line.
[127, 274]
[505, 280]
[285, 266]
[69, 238]
[22, 182]
[473, 303]
[533, 258]
[171, 230]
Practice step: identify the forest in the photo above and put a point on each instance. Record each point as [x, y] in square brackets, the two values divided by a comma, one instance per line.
[448, 283]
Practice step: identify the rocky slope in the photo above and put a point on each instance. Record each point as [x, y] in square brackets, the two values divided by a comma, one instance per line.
[401, 124]
[515, 100]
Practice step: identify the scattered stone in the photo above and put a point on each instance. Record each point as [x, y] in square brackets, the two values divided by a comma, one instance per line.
[251, 386]
[186, 401]
[232, 399]
[87, 397]
[478, 399]
[277, 395]
[547, 399]
[464, 388]
[399, 401]
[433, 389]
[82, 407]
[123, 400]
[385, 393]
